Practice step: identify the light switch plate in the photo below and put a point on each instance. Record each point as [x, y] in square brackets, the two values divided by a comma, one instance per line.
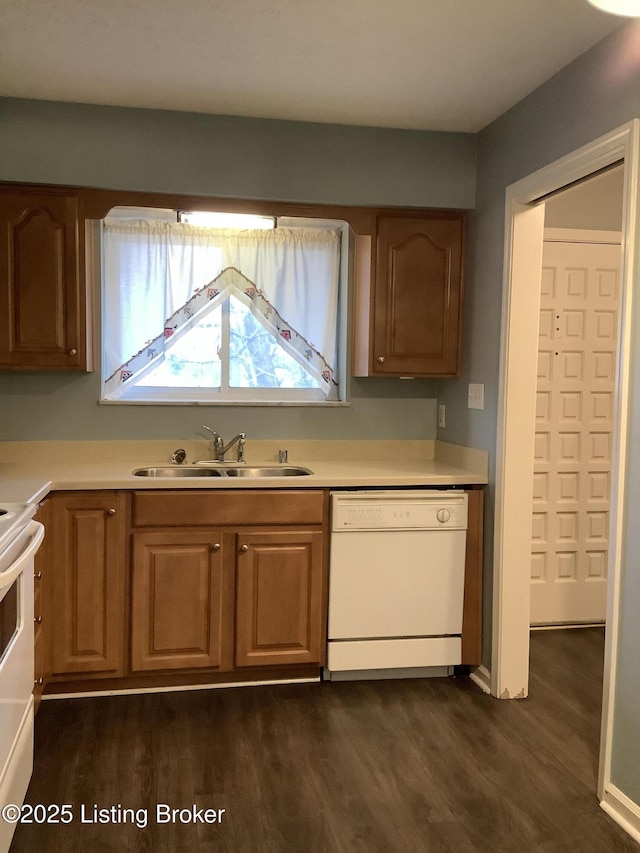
[442, 417]
[476, 396]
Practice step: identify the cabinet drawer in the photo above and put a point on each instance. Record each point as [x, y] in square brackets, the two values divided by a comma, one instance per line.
[228, 507]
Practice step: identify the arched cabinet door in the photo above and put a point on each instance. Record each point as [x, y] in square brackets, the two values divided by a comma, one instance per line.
[417, 295]
[43, 298]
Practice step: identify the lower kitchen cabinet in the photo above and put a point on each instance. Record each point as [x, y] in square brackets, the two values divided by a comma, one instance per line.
[188, 586]
[279, 589]
[210, 586]
[178, 600]
[227, 581]
[88, 538]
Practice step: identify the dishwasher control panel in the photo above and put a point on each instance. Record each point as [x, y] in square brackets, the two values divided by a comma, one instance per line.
[414, 510]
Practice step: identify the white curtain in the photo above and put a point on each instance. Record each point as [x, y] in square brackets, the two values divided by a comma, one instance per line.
[152, 269]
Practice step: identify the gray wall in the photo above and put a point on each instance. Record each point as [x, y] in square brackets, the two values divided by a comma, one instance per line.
[65, 407]
[595, 94]
[109, 147]
[114, 147]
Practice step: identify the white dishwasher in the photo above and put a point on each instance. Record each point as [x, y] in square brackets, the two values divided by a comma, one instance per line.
[396, 583]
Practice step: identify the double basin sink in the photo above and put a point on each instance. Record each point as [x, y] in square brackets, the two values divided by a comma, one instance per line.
[243, 470]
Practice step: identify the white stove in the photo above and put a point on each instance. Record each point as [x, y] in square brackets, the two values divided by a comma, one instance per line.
[13, 518]
[20, 538]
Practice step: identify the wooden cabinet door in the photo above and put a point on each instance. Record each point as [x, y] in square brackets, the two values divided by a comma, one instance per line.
[417, 296]
[43, 321]
[177, 600]
[88, 583]
[279, 592]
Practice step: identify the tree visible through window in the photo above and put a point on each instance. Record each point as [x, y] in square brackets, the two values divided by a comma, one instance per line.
[229, 347]
[256, 358]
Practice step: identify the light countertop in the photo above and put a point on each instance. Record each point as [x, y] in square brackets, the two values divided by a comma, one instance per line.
[31, 479]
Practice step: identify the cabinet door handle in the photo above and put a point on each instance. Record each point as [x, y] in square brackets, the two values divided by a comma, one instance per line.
[381, 359]
[244, 548]
[215, 547]
[38, 620]
[38, 575]
[73, 351]
[39, 682]
[111, 511]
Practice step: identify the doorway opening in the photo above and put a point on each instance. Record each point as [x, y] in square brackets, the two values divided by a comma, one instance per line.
[575, 394]
[525, 222]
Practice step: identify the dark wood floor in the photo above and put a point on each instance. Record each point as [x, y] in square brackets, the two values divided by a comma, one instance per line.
[431, 765]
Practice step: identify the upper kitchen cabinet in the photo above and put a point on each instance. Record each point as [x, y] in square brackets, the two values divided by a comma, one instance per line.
[44, 305]
[409, 296]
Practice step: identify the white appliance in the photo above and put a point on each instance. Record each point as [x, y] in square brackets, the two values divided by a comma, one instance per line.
[20, 538]
[396, 583]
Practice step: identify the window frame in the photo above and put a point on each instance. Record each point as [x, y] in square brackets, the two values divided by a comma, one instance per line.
[163, 395]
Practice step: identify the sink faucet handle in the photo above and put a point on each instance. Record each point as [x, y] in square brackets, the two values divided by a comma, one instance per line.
[217, 441]
[212, 431]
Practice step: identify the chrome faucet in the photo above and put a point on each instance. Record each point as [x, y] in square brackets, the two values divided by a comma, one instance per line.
[216, 442]
[219, 448]
[238, 439]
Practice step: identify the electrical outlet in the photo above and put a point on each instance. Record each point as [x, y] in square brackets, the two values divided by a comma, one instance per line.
[442, 420]
[475, 399]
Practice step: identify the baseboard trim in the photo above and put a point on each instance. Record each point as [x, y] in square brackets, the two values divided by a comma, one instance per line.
[623, 810]
[482, 677]
[177, 688]
[567, 626]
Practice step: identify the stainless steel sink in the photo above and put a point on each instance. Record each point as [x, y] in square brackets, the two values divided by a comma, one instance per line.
[267, 471]
[177, 471]
[226, 471]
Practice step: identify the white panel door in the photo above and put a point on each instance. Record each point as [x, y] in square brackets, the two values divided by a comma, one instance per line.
[574, 431]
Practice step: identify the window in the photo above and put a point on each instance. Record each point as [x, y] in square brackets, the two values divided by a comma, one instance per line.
[193, 313]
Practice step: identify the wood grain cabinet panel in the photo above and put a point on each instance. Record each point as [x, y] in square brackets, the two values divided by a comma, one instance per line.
[232, 507]
[177, 599]
[472, 612]
[279, 584]
[88, 586]
[416, 306]
[43, 298]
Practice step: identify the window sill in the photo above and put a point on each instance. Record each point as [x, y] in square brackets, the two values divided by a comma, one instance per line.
[322, 404]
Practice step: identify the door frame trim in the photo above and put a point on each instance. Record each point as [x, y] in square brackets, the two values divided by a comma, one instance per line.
[524, 234]
[582, 235]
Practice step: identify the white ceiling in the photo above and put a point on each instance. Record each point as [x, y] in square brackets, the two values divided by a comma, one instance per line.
[426, 64]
